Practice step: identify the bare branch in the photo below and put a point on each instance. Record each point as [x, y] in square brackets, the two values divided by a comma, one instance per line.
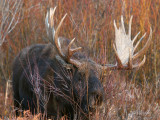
[10, 15]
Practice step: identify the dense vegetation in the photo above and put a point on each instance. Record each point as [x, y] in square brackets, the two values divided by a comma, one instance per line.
[129, 94]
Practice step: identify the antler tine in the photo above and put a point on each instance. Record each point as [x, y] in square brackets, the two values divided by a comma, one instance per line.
[135, 37]
[130, 24]
[72, 51]
[51, 15]
[141, 63]
[49, 23]
[145, 47]
[122, 24]
[138, 42]
[57, 43]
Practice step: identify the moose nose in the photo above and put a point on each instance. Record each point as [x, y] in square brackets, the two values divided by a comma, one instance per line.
[95, 99]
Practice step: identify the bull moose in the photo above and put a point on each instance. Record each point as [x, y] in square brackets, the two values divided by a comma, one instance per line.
[56, 79]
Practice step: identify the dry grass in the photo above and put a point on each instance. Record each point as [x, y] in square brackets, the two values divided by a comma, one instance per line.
[130, 95]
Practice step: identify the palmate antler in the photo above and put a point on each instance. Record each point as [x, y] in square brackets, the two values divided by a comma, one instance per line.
[53, 37]
[124, 48]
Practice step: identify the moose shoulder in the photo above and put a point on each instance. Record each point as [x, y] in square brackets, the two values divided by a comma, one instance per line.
[51, 79]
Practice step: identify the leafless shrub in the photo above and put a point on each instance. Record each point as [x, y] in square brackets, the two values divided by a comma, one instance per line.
[10, 16]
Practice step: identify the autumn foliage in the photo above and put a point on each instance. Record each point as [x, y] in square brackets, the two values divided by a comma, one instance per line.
[129, 94]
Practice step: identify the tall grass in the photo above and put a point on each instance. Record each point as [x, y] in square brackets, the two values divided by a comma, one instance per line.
[129, 94]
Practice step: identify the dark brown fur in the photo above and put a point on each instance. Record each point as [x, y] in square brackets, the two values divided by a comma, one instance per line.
[42, 78]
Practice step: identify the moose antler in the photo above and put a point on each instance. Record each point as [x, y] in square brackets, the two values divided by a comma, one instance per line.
[53, 37]
[124, 48]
